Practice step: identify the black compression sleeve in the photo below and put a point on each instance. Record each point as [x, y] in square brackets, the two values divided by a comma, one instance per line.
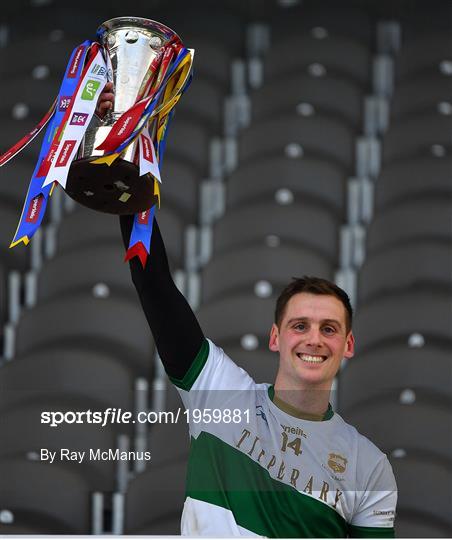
[176, 331]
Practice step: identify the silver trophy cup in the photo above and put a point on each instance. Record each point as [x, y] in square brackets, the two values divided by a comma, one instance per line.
[132, 44]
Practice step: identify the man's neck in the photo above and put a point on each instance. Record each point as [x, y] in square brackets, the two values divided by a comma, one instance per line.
[303, 402]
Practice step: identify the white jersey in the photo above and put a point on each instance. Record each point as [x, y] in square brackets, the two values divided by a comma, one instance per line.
[255, 470]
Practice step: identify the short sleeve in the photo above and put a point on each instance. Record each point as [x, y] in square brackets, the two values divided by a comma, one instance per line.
[213, 380]
[375, 514]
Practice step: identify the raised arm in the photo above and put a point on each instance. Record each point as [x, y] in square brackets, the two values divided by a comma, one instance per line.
[173, 324]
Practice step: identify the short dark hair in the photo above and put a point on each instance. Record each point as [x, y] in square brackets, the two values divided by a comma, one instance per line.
[313, 285]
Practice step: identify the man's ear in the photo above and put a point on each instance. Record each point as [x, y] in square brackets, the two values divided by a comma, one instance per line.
[273, 343]
[350, 346]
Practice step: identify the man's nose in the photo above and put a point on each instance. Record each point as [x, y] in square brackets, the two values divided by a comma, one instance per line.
[314, 337]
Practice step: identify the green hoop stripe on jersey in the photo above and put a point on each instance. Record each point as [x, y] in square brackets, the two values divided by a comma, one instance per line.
[371, 532]
[271, 473]
[222, 475]
[195, 369]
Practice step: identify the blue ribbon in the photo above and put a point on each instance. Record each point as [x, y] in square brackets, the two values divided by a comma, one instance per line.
[142, 232]
[36, 200]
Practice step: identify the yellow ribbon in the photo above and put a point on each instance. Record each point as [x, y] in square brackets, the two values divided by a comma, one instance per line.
[108, 160]
[157, 190]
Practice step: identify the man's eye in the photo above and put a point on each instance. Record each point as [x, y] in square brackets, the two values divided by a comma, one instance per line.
[329, 330]
[300, 326]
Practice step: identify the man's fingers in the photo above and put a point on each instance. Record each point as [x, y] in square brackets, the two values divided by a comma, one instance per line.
[105, 105]
[106, 97]
[106, 100]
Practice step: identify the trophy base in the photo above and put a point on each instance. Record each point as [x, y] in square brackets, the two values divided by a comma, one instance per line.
[115, 189]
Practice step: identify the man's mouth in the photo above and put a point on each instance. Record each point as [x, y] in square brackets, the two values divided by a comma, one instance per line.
[311, 358]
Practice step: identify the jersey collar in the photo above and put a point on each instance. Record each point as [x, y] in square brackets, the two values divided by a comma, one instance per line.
[293, 411]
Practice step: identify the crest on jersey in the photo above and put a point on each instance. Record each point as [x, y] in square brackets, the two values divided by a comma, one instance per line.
[337, 463]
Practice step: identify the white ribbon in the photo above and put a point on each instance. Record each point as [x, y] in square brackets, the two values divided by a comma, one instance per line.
[85, 102]
[148, 158]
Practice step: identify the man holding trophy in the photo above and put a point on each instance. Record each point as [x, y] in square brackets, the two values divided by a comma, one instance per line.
[278, 462]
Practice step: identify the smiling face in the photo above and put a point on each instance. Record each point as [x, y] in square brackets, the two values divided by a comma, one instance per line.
[312, 340]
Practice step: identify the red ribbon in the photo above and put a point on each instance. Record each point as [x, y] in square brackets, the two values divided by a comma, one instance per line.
[137, 250]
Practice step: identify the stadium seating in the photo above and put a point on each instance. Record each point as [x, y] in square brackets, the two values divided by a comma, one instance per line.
[273, 134]
[57, 494]
[155, 495]
[383, 371]
[249, 266]
[410, 265]
[28, 438]
[315, 179]
[97, 323]
[293, 224]
[340, 55]
[67, 371]
[415, 177]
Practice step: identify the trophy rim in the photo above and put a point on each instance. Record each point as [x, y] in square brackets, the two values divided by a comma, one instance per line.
[136, 22]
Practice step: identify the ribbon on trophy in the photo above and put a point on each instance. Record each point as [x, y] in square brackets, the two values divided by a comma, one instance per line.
[69, 116]
[156, 110]
[146, 122]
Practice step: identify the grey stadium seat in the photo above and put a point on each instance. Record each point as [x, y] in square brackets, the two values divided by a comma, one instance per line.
[423, 95]
[418, 135]
[155, 495]
[57, 493]
[85, 227]
[179, 189]
[98, 324]
[423, 426]
[417, 263]
[29, 523]
[339, 56]
[16, 59]
[172, 400]
[13, 129]
[68, 22]
[202, 26]
[418, 524]
[317, 179]
[414, 177]
[225, 321]
[57, 372]
[203, 102]
[423, 54]
[261, 364]
[240, 270]
[273, 135]
[24, 435]
[310, 16]
[169, 442]
[3, 298]
[420, 474]
[396, 317]
[334, 96]
[212, 58]
[312, 227]
[36, 94]
[424, 20]
[14, 181]
[393, 368]
[189, 140]
[19, 257]
[411, 220]
[167, 525]
[87, 270]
